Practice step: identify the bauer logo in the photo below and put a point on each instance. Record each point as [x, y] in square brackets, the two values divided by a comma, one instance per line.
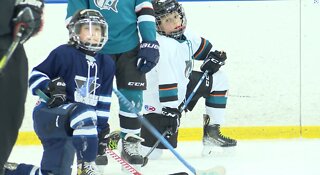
[149, 108]
[149, 45]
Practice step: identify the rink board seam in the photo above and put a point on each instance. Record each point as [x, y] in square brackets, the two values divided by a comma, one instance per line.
[240, 133]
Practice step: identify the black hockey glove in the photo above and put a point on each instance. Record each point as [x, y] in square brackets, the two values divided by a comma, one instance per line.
[57, 92]
[28, 18]
[213, 62]
[148, 56]
[173, 115]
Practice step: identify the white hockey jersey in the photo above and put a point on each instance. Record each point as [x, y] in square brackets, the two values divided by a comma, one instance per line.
[167, 81]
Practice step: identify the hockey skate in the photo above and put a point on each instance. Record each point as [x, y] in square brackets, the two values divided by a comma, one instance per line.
[111, 143]
[87, 168]
[10, 166]
[212, 136]
[130, 150]
[21, 168]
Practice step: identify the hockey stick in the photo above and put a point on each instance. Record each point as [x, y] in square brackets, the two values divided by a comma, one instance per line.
[194, 91]
[19, 29]
[181, 109]
[145, 158]
[6, 57]
[124, 163]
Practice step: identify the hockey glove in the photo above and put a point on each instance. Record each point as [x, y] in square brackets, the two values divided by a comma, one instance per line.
[57, 92]
[148, 56]
[213, 62]
[28, 18]
[173, 116]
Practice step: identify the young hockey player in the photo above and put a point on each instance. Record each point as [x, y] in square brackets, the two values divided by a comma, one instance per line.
[78, 82]
[172, 80]
[133, 59]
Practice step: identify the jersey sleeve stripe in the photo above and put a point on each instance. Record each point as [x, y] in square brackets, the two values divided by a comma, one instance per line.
[103, 113]
[217, 99]
[168, 92]
[144, 18]
[203, 50]
[104, 99]
[166, 86]
[84, 116]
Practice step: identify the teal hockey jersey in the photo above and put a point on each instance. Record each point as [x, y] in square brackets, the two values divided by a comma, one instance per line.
[125, 19]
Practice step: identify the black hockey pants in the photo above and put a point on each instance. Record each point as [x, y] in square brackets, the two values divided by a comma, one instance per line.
[13, 91]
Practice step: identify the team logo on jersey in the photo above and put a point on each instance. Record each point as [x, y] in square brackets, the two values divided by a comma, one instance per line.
[149, 108]
[107, 4]
[85, 90]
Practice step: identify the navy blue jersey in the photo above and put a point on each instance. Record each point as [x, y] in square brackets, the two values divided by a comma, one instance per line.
[88, 79]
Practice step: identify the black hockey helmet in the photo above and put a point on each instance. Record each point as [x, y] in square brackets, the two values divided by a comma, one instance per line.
[88, 17]
[164, 7]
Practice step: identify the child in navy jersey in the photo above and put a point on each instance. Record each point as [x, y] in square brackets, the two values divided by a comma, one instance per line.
[78, 83]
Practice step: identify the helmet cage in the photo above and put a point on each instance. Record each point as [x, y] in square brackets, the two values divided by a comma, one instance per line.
[90, 18]
[163, 8]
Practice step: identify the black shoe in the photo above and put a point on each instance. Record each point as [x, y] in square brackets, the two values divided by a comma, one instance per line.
[130, 149]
